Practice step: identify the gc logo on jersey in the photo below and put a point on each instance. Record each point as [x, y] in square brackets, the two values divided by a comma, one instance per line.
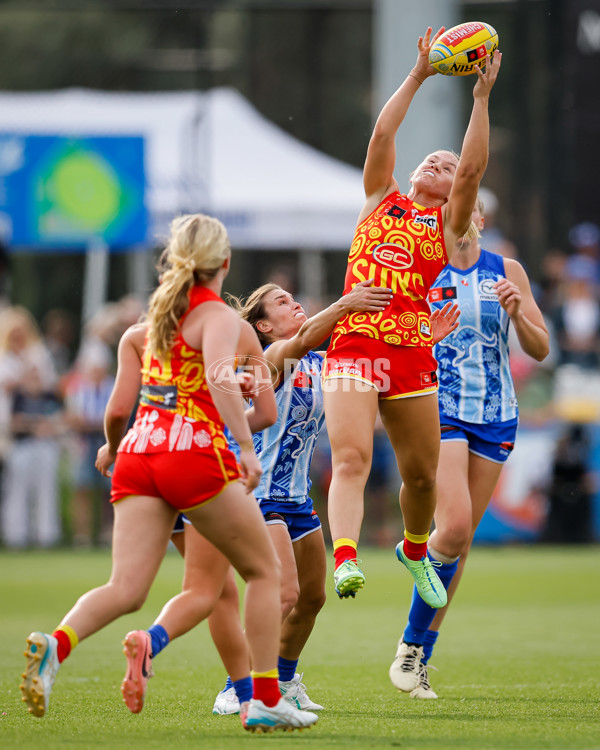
[487, 291]
[393, 256]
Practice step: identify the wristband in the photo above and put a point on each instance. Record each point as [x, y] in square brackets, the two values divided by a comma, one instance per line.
[415, 77]
[246, 445]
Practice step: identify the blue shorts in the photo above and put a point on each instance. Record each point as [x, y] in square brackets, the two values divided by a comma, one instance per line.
[492, 441]
[179, 521]
[301, 519]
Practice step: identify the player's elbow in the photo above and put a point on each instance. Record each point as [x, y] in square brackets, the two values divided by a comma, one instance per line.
[382, 133]
[472, 170]
[268, 416]
[117, 413]
[543, 352]
[272, 416]
[538, 349]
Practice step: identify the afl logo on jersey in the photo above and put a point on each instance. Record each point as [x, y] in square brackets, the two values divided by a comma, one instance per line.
[486, 290]
[393, 256]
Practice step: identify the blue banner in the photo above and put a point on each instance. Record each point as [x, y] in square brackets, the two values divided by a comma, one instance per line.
[59, 192]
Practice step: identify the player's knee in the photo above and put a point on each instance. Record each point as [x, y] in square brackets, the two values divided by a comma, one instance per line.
[311, 602]
[453, 538]
[352, 462]
[421, 482]
[267, 567]
[289, 599]
[128, 599]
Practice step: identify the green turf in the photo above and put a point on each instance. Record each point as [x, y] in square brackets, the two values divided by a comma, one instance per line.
[518, 659]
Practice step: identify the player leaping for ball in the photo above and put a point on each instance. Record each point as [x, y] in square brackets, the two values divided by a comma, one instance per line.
[384, 361]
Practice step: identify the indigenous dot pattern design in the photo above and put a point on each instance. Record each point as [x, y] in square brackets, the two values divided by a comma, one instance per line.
[400, 246]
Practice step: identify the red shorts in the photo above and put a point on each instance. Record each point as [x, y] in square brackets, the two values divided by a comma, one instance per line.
[395, 371]
[184, 479]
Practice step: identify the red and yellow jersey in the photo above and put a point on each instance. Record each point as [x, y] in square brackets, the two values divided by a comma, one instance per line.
[400, 246]
[176, 411]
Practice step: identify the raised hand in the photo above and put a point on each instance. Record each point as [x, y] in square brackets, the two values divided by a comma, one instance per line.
[423, 69]
[486, 78]
[444, 321]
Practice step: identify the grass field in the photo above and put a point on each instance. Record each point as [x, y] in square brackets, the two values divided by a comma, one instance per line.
[518, 660]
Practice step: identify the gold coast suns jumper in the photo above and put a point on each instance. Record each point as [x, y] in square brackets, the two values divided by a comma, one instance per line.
[400, 245]
[176, 449]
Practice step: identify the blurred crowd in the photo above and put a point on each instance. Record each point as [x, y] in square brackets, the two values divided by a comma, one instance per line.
[53, 395]
[52, 401]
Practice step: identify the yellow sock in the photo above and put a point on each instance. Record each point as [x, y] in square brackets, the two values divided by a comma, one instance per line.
[344, 549]
[67, 640]
[343, 542]
[269, 675]
[416, 538]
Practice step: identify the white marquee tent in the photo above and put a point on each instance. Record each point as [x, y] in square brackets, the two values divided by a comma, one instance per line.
[210, 152]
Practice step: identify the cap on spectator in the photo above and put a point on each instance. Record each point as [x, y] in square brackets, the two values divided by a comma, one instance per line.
[585, 234]
[580, 268]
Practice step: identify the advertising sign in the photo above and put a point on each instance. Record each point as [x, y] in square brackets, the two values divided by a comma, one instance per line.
[60, 192]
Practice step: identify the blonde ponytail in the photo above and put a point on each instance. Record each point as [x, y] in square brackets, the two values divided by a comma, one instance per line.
[198, 247]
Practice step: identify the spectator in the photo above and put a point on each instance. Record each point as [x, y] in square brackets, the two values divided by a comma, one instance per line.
[101, 334]
[585, 239]
[32, 413]
[59, 336]
[570, 494]
[130, 309]
[87, 394]
[20, 348]
[552, 278]
[577, 318]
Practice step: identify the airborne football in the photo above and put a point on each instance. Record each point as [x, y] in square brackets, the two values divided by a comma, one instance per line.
[462, 47]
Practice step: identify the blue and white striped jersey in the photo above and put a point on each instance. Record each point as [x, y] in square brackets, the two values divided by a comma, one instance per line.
[286, 448]
[475, 381]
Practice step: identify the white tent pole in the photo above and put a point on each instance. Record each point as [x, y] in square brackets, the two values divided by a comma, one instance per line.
[95, 283]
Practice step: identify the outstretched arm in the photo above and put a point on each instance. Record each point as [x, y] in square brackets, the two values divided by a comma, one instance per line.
[378, 176]
[315, 330]
[473, 158]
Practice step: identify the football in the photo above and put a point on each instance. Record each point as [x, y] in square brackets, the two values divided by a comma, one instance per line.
[462, 47]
